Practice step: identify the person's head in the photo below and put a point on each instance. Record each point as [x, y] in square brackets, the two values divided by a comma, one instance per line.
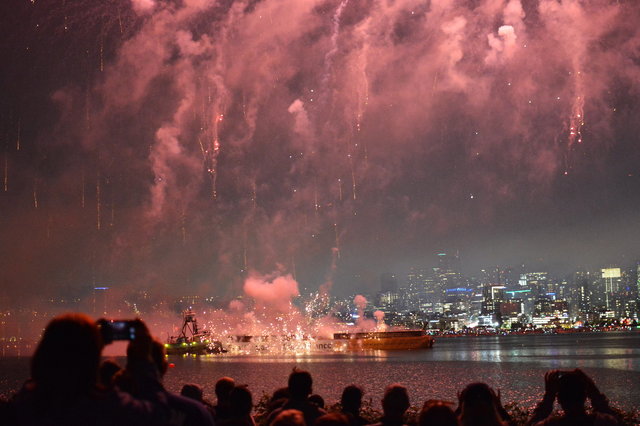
[572, 390]
[437, 413]
[289, 418]
[224, 386]
[108, 369]
[477, 405]
[192, 391]
[240, 401]
[351, 399]
[317, 400]
[332, 419]
[67, 358]
[300, 384]
[280, 393]
[395, 401]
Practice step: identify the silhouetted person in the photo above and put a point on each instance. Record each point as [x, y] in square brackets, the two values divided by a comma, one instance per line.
[572, 388]
[395, 403]
[107, 370]
[183, 411]
[63, 388]
[300, 386]
[195, 392]
[437, 413]
[317, 400]
[351, 402]
[240, 406]
[332, 419]
[277, 400]
[223, 389]
[288, 418]
[479, 405]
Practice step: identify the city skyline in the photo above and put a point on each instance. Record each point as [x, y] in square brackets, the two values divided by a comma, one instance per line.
[188, 146]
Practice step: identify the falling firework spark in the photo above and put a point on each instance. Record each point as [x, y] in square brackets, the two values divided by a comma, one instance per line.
[83, 189]
[577, 112]
[101, 53]
[245, 263]
[211, 153]
[6, 172]
[316, 206]
[329, 57]
[335, 229]
[98, 203]
[354, 183]
[35, 192]
[87, 109]
[19, 135]
[254, 194]
[183, 227]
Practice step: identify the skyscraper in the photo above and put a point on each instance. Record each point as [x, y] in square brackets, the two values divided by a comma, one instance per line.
[447, 274]
[612, 278]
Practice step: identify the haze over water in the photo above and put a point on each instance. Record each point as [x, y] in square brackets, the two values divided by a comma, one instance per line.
[513, 364]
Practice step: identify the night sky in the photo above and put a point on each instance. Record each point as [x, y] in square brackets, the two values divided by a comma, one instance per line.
[182, 146]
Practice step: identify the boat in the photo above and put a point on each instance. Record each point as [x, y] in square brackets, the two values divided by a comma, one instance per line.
[384, 340]
[341, 342]
[192, 340]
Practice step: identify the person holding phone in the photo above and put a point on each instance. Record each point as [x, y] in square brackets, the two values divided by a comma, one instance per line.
[64, 390]
[572, 388]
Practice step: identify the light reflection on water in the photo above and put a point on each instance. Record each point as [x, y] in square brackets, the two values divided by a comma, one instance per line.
[514, 364]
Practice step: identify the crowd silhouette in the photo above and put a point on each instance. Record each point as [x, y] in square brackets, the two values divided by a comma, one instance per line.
[70, 384]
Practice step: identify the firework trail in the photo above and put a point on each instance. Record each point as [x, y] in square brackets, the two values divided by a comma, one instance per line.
[83, 188]
[576, 120]
[337, 247]
[98, 202]
[328, 58]
[35, 192]
[19, 135]
[362, 81]
[211, 155]
[6, 172]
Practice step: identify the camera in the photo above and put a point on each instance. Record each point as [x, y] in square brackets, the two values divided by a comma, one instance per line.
[112, 330]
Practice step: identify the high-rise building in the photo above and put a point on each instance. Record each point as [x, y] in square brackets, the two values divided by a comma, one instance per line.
[492, 296]
[447, 274]
[612, 280]
[388, 296]
[583, 282]
[424, 288]
[531, 287]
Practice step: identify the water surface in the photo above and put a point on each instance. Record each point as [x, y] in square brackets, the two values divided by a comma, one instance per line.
[513, 364]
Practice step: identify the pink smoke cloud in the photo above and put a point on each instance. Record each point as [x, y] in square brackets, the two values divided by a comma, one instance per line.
[272, 293]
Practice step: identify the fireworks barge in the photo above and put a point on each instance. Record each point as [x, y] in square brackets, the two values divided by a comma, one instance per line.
[384, 340]
[191, 340]
[341, 342]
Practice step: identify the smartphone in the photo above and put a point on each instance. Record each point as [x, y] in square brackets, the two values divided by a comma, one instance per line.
[112, 330]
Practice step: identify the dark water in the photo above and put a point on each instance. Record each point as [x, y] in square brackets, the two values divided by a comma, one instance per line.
[513, 364]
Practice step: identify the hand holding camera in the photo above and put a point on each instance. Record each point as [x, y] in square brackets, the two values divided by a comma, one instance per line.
[112, 330]
[135, 331]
